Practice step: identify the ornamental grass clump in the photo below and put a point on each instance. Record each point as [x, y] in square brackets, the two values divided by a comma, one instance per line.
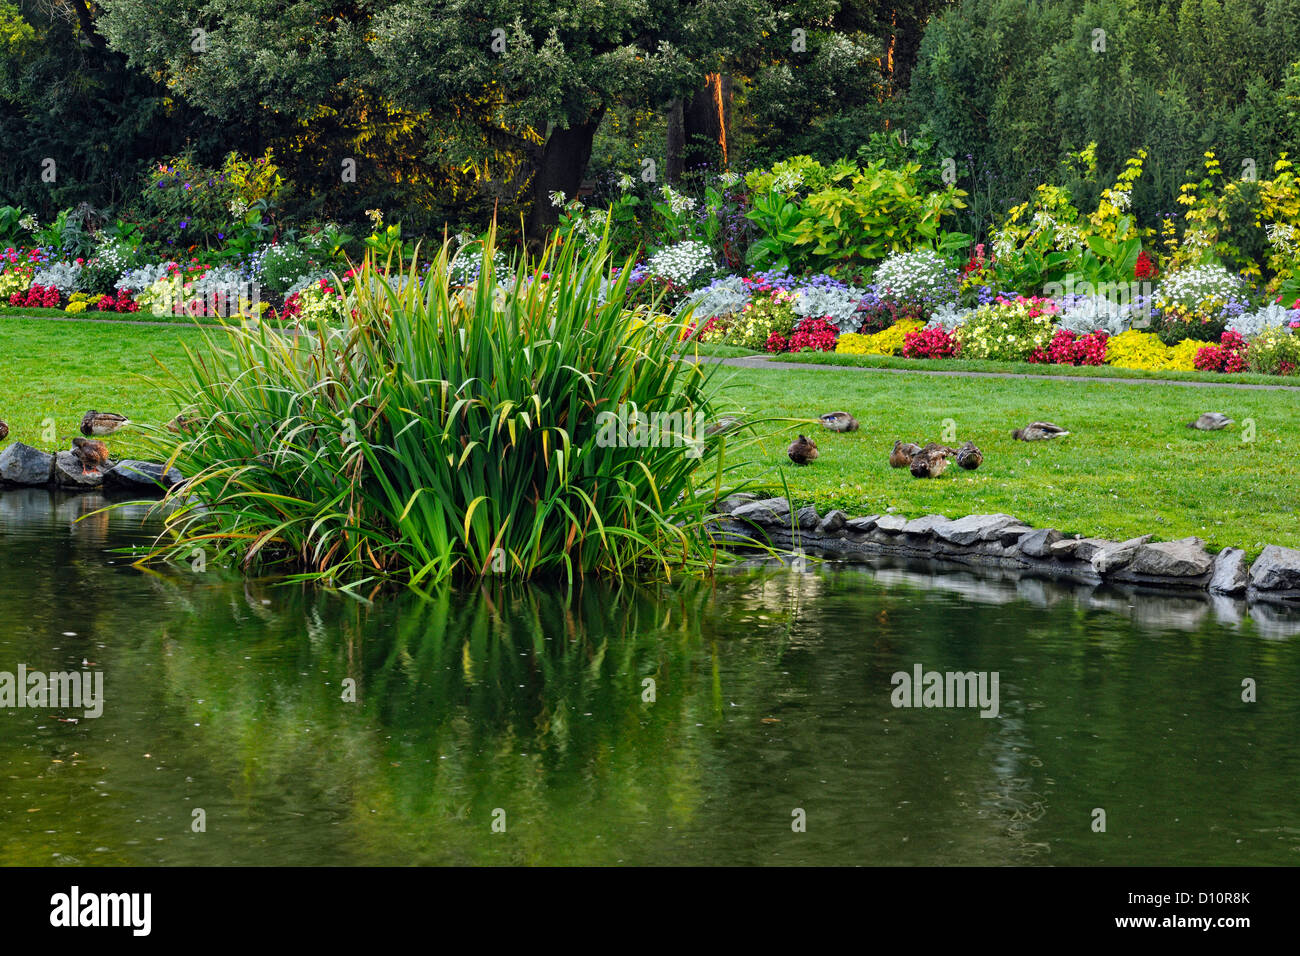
[520, 428]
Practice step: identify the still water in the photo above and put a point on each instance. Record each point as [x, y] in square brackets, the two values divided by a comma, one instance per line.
[667, 724]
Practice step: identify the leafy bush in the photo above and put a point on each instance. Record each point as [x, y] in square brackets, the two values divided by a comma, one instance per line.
[1275, 351]
[921, 278]
[1144, 350]
[280, 265]
[931, 342]
[441, 434]
[1008, 329]
[1228, 356]
[888, 342]
[760, 319]
[184, 203]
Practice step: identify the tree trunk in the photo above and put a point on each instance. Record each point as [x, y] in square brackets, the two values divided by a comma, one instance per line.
[560, 168]
[707, 124]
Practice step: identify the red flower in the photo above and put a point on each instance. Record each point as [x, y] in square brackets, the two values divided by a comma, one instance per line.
[1145, 267]
[931, 343]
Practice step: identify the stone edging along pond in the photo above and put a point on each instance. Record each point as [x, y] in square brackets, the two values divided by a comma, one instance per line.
[30, 467]
[1001, 541]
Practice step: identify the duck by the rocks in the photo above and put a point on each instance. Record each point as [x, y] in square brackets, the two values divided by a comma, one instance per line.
[969, 457]
[802, 450]
[92, 454]
[1210, 422]
[931, 461]
[840, 422]
[1039, 431]
[101, 423]
[4, 430]
[902, 454]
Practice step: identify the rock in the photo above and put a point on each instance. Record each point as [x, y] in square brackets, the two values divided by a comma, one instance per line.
[1276, 569]
[141, 475]
[768, 511]
[1112, 556]
[924, 526]
[807, 518]
[25, 465]
[972, 528]
[1038, 543]
[833, 522]
[862, 525]
[891, 524]
[1184, 558]
[1010, 536]
[1231, 576]
[730, 503]
[69, 473]
[1063, 549]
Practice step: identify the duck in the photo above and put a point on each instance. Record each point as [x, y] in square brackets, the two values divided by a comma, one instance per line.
[840, 422]
[4, 430]
[902, 454]
[91, 453]
[969, 457]
[101, 423]
[1039, 431]
[184, 423]
[931, 461]
[1211, 422]
[724, 425]
[802, 450]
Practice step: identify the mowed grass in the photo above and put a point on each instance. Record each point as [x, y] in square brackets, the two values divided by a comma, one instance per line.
[59, 370]
[1130, 466]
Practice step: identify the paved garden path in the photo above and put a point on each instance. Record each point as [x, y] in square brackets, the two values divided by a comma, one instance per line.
[760, 361]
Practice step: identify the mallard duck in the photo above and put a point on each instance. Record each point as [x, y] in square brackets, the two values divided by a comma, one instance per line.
[101, 423]
[1038, 431]
[931, 461]
[4, 430]
[969, 457]
[902, 454]
[840, 422]
[1211, 422]
[184, 423]
[92, 454]
[724, 425]
[802, 450]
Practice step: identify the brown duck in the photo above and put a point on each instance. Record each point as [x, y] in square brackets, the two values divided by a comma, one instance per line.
[1038, 431]
[931, 461]
[101, 423]
[92, 454]
[802, 450]
[4, 430]
[902, 454]
[840, 422]
[969, 457]
[182, 423]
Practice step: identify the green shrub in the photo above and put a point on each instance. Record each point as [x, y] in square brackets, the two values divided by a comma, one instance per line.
[442, 433]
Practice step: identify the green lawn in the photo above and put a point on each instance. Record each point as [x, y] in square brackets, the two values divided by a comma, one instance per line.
[1129, 467]
[58, 370]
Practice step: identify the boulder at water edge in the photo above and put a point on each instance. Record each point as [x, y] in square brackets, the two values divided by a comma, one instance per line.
[24, 465]
[144, 476]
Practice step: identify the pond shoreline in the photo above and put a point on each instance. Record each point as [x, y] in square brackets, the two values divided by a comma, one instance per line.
[1001, 542]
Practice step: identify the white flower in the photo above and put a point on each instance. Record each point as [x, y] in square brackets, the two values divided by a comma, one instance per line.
[729, 179]
[677, 203]
[682, 263]
[557, 199]
[626, 182]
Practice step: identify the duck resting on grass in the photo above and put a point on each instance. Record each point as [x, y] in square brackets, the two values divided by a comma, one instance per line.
[101, 423]
[931, 461]
[802, 450]
[840, 422]
[92, 454]
[969, 457]
[1210, 422]
[1038, 431]
[902, 454]
[4, 430]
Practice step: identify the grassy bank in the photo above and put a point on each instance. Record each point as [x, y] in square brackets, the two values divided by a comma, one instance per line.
[58, 370]
[1129, 467]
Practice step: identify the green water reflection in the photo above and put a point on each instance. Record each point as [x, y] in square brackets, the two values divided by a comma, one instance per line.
[771, 693]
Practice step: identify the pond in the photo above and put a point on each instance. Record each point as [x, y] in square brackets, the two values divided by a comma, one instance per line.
[691, 723]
